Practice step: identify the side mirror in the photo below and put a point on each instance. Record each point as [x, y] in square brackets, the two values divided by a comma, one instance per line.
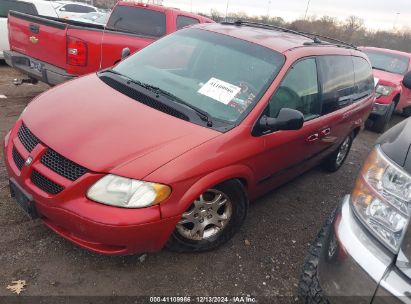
[288, 119]
[125, 53]
[407, 80]
[62, 9]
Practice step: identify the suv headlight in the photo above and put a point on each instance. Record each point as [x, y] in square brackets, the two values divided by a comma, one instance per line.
[383, 90]
[127, 193]
[381, 199]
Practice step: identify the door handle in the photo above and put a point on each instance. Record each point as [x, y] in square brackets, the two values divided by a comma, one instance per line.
[325, 132]
[34, 28]
[312, 138]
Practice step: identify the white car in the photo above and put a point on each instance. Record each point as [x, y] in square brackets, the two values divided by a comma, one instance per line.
[32, 7]
[70, 10]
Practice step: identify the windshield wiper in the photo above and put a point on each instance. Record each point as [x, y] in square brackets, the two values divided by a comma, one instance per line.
[381, 69]
[203, 115]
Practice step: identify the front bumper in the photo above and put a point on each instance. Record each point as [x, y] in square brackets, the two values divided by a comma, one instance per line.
[49, 74]
[379, 109]
[354, 266]
[100, 228]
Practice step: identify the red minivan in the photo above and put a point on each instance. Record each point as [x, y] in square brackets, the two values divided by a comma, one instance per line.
[168, 147]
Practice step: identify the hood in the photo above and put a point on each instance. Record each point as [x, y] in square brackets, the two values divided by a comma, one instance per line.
[103, 130]
[387, 78]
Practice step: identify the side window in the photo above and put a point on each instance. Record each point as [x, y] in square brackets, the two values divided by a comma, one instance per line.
[298, 90]
[19, 6]
[364, 79]
[73, 8]
[337, 77]
[183, 21]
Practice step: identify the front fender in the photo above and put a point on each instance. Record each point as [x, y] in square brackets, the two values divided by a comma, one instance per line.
[185, 192]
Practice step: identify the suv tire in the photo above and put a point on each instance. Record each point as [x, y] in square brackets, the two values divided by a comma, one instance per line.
[181, 240]
[381, 122]
[334, 162]
[309, 289]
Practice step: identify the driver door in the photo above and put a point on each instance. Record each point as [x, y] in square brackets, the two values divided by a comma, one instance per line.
[289, 153]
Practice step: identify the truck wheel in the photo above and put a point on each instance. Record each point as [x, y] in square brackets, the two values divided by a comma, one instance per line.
[309, 289]
[381, 122]
[406, 112]
[212, 219]
[334, 162]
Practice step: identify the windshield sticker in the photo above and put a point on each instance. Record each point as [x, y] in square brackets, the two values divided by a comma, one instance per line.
[219, 90]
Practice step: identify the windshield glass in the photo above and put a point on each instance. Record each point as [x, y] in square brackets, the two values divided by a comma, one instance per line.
[392, 63]
[218, 74]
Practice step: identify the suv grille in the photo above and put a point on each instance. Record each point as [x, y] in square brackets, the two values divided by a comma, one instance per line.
[18, 159]
[62, 165]
[27, 138]
[45, 184]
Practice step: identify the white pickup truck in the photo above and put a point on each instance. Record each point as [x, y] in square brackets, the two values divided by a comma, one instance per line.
[32, 7]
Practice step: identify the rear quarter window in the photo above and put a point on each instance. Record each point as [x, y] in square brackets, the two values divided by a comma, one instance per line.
[183, 21]
[337, 78]
[19, 6]
[364, 79]
[138, 21]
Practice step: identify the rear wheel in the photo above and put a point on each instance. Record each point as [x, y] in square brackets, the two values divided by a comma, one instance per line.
[334, 162]
[381, 122]
[211, 220]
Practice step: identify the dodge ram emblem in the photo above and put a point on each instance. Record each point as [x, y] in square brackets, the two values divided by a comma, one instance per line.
[28, 161]
[34, 39]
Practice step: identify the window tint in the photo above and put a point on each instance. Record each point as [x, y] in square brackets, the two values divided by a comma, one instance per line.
[338, 82]
[298, 90]
[19, 6]
[73, 8]
[183, 21]
[138, 21]
[364, 79]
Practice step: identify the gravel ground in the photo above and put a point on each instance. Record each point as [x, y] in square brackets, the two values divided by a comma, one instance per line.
[263, 259]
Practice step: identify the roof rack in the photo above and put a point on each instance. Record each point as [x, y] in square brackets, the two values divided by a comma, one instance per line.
[314, 37]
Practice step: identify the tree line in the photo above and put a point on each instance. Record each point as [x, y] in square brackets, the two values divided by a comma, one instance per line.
[351, 30]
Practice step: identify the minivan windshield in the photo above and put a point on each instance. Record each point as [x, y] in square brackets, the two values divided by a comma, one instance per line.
[221, 75]
[388, 62]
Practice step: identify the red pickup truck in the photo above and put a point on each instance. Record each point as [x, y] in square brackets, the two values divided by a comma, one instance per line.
[53, 50]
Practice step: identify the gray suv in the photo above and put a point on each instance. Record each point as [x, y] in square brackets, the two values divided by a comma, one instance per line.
[363, 252]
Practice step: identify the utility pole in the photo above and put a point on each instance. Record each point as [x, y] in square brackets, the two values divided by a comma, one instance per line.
[226, 9]
[306, 10]
[268, 10]
[397, 15]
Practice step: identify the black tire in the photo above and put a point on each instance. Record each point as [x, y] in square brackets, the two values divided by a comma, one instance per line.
[309, 289]
[381, 122]
[234, 190]
[332, 163]
[406, 112]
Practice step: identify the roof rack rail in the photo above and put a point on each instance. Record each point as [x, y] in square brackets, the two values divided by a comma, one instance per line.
[314, 37]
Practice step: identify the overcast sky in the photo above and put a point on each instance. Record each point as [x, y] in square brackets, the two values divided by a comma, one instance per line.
[377, 14]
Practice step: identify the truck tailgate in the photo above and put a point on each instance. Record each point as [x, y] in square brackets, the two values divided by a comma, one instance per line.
[38, 37]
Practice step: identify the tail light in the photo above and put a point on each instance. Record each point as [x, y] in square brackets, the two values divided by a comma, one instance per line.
[76, 51]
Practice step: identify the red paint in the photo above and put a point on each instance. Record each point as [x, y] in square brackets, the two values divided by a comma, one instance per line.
[99, 48]
[105, 131]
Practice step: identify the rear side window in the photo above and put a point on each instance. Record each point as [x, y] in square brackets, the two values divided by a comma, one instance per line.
[138, 21]
[19, 6]
[364, 79]
[183, 21]
[73, 8]
[298, 90]
[337, 77]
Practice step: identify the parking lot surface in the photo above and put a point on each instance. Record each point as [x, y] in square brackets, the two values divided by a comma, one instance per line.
[263, 259]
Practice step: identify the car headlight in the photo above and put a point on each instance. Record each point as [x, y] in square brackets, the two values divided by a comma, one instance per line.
[381, 199]
[383, 90]
[127, 193]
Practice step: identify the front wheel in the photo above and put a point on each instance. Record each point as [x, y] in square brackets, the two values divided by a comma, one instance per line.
[211, 220]
[334, 162]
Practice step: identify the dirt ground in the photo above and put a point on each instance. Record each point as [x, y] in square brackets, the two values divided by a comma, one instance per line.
[278, 230]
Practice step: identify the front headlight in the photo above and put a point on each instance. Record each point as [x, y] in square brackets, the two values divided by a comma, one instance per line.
[381, 199]
[127, 193]
[383, 90]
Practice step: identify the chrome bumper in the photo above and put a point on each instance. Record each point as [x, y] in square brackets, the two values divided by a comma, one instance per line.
[353, 262]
